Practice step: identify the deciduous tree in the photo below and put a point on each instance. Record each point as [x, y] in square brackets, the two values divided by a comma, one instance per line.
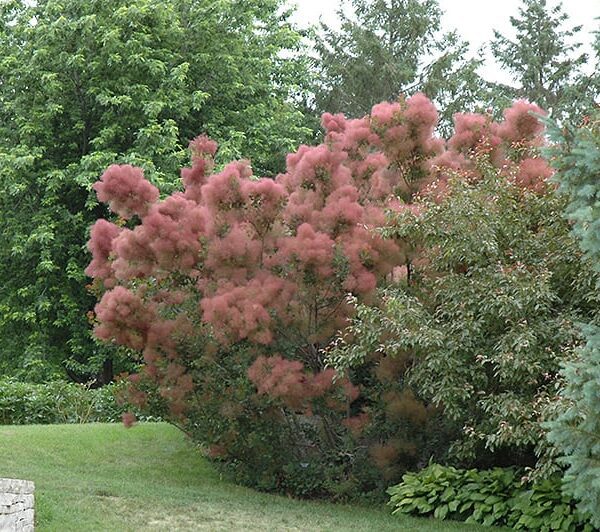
[84, 84]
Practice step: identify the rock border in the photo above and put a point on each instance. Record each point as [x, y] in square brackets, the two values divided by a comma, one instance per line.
[16, 505]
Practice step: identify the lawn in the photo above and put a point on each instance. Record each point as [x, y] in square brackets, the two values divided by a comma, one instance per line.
[105, 477]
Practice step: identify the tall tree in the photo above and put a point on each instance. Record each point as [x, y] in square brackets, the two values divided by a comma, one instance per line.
[388, 47]
[85, 84]
[545, 61]
[576, 432]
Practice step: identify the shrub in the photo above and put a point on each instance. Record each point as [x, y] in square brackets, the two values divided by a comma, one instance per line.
[230, 290]
[484, 314]
[59, 402]
[496, 497]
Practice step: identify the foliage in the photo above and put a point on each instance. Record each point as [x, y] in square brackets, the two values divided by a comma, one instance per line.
[463, 495]
[378, 54]
[230, 291]
[496, 497]
[484, 310]
[544, 507]
[23, 403]
[545, 62]
[576, 432]
[90, 83]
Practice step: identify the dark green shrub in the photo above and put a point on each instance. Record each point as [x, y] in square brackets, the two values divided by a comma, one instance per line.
[495, 497]
[59, 402]
[486, 318]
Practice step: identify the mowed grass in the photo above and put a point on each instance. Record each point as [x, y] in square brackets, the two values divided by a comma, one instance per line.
[150, 477]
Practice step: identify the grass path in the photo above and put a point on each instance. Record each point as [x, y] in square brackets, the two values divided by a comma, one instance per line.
[101, 477]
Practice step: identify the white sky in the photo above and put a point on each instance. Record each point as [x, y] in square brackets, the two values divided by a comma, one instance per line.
[475, 20]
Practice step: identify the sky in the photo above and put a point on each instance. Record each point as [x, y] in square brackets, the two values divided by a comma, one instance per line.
[475, 21]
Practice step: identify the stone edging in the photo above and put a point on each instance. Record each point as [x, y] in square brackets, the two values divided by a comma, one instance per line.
[16, 505]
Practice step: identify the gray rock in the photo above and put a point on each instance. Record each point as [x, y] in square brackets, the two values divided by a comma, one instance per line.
[12, 485]
[16, 505]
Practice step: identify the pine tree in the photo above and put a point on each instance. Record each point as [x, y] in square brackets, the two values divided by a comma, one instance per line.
[388, 47]
[545, 62]
[576, 432]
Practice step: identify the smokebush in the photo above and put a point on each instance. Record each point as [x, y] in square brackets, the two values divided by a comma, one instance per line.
[231, 289]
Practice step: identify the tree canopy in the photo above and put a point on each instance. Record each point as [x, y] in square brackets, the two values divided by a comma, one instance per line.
[545, 61]
[388, 47]
[85, 84]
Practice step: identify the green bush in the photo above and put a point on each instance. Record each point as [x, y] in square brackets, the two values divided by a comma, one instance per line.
[495, 497]
[58, 402]
[486, 318]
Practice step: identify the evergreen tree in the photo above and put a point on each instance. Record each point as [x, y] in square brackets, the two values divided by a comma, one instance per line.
[545, 62]
[388, 47]
[576, 432]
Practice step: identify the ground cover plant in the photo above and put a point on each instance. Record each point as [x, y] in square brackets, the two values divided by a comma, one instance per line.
[499, 497]
[99, 477]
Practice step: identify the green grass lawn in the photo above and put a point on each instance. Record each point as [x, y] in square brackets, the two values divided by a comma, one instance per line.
[106, 477]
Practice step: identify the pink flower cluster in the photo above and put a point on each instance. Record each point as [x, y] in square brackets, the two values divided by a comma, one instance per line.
[168, 240]
[511, 145]
[244, 309]
[124, 318]
[100, 244]
[126, 190]
[288, 381]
